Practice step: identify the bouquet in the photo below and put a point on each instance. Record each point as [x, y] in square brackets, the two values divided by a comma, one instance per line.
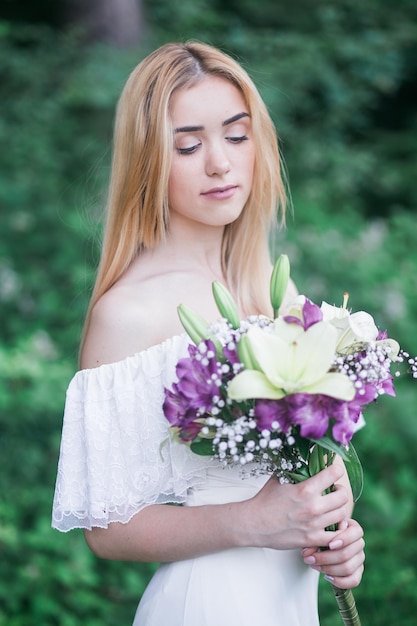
[282, 396]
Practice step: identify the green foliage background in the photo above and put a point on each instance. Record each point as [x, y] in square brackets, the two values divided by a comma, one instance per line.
[338, 79]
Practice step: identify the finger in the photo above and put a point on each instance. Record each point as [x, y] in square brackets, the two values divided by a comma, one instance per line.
[340, 550]
[319, 538]
[343, 545]
[326, 478]
[345, 576]
[346, 582]
[337, 561]
[350, 532]
[317, 504]
[306, 552]
[324, 559]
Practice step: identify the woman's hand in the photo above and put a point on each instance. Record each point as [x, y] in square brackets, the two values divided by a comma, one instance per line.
[343, 563]
[294, 516]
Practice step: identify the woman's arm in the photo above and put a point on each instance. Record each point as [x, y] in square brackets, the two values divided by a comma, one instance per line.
[279, 516]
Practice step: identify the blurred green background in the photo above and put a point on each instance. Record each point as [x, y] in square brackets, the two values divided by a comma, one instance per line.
[339, 79]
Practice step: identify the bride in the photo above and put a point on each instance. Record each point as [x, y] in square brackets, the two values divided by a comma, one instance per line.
[193, 194]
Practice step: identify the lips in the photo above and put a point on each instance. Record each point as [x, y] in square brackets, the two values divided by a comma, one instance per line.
[220, 193]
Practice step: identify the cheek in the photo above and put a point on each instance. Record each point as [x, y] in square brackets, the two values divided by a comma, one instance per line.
[184, 170]
[247, 159]
[178, 183]
[250, 167]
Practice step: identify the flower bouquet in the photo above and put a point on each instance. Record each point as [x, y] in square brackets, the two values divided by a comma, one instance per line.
[281, 396]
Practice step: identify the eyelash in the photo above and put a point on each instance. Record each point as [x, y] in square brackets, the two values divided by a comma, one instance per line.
[188, 150]
[192, 149]
[238, 139]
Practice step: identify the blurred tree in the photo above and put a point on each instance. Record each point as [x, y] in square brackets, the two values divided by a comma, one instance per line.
[116, 22]
[26, 11]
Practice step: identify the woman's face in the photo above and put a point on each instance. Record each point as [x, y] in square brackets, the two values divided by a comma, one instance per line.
[212, 165]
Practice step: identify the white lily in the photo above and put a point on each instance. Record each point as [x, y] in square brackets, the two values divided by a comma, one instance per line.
[354, 328]
[292, 360]
[295, 308]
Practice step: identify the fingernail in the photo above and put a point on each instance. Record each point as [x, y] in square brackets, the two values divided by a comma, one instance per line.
[335, 544]
[329, 579]
[309, 560]
[317, 568]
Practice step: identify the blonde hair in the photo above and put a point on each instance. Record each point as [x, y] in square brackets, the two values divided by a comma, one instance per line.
[138, 211]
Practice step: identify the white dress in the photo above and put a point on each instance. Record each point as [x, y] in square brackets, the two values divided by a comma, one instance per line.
[117, 457]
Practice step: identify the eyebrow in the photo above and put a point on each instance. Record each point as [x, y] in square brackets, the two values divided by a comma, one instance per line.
[194, 129]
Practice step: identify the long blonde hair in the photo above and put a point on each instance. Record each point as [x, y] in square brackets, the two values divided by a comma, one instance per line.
[138, 211]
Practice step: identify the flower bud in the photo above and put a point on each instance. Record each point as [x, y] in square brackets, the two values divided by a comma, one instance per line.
[245, 352]
[195, 325]
[226, 304]
[197, 328]
[279, 282]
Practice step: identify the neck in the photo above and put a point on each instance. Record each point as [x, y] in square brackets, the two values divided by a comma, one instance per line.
[193, 244]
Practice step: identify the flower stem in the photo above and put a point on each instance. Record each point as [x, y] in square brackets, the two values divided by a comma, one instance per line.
[347, 606]
[344, 597]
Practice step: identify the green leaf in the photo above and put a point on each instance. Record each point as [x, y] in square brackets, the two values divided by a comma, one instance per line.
[314, 464]
[352, 463]
[298, 477]
[203, 447]
[328, 444]
[354, 472]
[303, 445]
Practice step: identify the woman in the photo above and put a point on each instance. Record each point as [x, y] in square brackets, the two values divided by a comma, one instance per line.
[194, 188]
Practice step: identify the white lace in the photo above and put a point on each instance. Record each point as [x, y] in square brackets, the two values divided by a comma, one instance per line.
[116, 456]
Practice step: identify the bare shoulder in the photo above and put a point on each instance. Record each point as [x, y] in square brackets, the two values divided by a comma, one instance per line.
[138, 312]
[127, 319]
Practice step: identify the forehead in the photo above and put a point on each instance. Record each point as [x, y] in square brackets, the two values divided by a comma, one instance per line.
[212, 97]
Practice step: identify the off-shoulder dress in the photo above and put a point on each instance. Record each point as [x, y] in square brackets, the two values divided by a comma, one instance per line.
[117, 457]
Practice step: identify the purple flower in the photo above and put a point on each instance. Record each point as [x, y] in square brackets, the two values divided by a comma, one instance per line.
[309, 411]
[230, 353]
[366, 394]
[269, 411]
[199, 377]
[313, 413]
[311, 314]
[174, 406]
[180, 415]
[346, 414]
[197, 390]
[344, 426]
[387, 386]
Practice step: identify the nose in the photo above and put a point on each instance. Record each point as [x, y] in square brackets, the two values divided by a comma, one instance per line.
[217, 161]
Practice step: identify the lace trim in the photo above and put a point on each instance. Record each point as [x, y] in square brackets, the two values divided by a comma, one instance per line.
[116, 455]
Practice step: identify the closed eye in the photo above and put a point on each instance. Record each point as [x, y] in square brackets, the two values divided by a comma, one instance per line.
[189, 150]
[237, 139]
